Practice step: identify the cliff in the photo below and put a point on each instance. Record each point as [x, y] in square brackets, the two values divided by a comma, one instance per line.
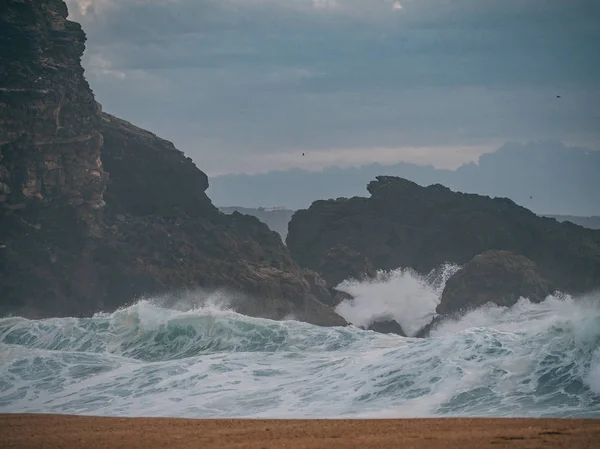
[49, 124]
[405, 225]
[163, 234]
[51, 175]
[75, 240]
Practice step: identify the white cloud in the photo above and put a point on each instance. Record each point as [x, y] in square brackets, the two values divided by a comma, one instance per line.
[443, 156]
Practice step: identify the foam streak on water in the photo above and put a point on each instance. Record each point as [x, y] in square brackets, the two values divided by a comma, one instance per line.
[529, 360]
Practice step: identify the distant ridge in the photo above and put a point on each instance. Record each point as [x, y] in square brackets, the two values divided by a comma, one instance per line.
[586, 222]
[545, 177]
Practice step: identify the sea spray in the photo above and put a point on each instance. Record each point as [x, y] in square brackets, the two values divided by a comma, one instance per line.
[402, 295]
[146, 360]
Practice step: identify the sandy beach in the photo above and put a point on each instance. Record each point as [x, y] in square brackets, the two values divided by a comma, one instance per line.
[60, 431]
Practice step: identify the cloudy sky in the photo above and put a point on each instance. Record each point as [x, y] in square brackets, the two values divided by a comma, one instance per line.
[250, 85]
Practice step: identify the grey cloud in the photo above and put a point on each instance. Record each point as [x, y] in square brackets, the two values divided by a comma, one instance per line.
[547, 177]
[241, 77]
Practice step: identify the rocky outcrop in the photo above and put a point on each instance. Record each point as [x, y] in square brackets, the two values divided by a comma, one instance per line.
[387, 327]
[340, 263]
[149, 176]
[405, 225]
[164, 234]
[74, 240]
[496, 277]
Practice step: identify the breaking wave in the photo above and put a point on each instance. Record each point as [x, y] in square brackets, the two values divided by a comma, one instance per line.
[530, 360]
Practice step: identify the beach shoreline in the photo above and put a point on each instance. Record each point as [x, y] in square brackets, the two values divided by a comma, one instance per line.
[67, 431]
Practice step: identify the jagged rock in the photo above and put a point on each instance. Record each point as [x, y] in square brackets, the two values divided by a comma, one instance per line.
[497, 277]
[318, 287]
[149, 176]
[387, 327]
[49, 135]
[426, 330]
[72, 248]
[338, 296]
[276, 218]
[341, 263]
[50, 168]
[405, 225]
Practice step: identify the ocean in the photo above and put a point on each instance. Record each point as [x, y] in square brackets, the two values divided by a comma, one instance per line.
[529, 360]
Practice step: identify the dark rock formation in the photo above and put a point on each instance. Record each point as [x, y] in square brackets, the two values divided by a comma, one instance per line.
[405, 225]
[67, 246]
[276, 218]
[49, 122]
[163, 234]
[387, 327]
[426, 330]
[149, 176]
[337, 296]
[340, 263]
[498, 277]
[51, 176]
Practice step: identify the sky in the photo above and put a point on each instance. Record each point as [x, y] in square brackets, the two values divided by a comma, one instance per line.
[545, 177]
[248, 86]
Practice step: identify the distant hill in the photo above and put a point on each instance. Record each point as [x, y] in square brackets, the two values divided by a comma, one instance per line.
[275, 218]
[545, 177]
[586, 222]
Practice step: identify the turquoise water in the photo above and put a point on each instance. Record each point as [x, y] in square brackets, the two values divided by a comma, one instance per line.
[531, 360]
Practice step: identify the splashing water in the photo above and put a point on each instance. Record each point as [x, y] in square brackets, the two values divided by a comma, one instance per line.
[401, 295]
[528, 360]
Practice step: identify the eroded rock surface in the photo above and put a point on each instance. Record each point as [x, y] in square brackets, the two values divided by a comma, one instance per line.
[405, 225]
[75, 240]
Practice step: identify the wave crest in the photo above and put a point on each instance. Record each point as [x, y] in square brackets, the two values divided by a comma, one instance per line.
[145, 360]
[402, 295]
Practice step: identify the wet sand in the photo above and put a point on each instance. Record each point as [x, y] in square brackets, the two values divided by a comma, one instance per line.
[71, 432]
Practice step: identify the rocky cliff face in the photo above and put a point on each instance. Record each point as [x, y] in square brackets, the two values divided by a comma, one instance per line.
[51, 175]
[405, 225]
[74, 240]
[163, 234]
[49, 122]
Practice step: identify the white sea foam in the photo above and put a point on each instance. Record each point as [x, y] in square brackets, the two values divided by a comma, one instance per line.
[146, 360]
[401, 295]
[593, 376]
